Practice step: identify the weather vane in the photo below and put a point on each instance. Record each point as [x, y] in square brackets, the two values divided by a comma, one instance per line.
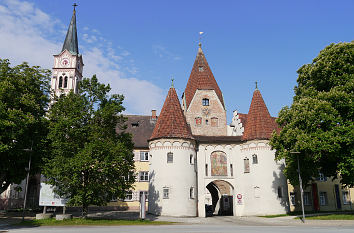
[172, 79]
[200, 38]
[256, 84]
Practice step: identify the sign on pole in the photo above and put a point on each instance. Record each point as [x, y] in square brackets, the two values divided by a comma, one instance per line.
[47, 197]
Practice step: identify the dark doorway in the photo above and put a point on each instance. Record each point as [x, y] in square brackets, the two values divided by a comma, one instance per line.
[222, 198]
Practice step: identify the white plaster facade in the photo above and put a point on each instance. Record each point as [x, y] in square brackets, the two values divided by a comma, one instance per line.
[178, 176]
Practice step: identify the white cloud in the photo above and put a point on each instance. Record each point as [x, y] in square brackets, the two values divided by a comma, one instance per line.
[29, 34]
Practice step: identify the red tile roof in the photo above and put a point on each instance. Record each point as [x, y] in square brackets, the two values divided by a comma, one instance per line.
[201, 80]
[171, 122]
[258, 123]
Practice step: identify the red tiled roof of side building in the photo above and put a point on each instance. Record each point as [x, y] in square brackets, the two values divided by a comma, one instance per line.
[201, 78]
[259, 123]
[171, 122]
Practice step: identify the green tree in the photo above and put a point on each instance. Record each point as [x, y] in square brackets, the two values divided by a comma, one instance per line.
[23, 102]
[319, 123]
[89, 160]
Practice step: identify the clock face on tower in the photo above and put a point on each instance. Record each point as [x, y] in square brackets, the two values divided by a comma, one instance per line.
[65, 62]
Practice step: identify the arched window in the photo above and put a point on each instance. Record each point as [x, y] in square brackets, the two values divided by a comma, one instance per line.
[218, 160]
[191, 159]
[205, 102]
[169, 157]
[254, 159]
[60, 82]
[246, 163]
[65, 82]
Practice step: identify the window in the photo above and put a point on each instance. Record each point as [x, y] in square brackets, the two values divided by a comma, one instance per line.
[321, 177]
[166, 193]
[254, 159]
[60, 82]
[201, 68]
[141, 194]
[205, 102]
[257, 192]
[143, 176]
[307, 198]
[292, 198]
[198, 120]
[169, 157]
[191, 159]
[129, 196]
[65, 82]
[231, 170]
[206, 169]
[323, 198]
[346, 197]
[135, 124]
[191, 193]
[246, 163]
[280, 192]
[214, 122]
[144, 156]
[207, 122]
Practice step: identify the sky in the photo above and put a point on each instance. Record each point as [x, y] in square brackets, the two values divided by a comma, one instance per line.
[137, 46]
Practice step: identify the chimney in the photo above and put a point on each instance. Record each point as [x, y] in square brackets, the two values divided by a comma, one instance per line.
[153, 114]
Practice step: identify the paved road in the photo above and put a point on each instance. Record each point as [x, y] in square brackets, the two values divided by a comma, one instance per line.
[194, 228]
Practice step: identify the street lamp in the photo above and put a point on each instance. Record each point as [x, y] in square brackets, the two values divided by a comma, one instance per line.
[300, 182]
[27, 178]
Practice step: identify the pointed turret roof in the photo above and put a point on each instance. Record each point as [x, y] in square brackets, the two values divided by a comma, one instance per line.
[70, 42]
[171, 123]
[259, 124]
[201, 78]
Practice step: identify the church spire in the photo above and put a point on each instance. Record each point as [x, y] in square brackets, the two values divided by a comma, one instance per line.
[70, 42]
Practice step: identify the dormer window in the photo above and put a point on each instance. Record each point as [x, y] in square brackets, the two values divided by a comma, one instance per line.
[205, 102]
[201, 68]
[135, 124]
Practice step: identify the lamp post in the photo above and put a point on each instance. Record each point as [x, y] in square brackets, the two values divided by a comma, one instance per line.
[300, 183]
[27, 178]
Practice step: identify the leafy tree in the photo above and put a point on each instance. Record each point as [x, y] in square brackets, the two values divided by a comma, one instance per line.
[23, 103]
[90, 160]
[319, 123]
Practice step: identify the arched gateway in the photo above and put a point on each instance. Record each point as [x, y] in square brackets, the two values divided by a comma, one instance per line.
[221, 193]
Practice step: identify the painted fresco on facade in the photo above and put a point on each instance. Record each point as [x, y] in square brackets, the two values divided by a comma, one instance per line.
[218, 163]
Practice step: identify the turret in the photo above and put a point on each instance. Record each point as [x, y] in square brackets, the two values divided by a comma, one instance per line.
[173, 180]
[202, 100]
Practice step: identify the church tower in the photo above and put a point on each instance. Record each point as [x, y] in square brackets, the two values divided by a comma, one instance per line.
[202, 100]
[68, 64]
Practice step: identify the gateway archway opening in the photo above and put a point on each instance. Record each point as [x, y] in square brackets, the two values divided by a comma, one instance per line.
[221, 193]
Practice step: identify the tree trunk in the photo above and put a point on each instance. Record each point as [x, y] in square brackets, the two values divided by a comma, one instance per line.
[84, 210]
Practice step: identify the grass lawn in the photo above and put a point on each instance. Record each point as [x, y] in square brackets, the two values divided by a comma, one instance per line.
[91, 222]
[349, 216]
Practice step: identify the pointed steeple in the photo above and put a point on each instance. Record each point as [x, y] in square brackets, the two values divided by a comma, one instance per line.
[201, 78]
[171, 123]
[70, 42]
[259, 124]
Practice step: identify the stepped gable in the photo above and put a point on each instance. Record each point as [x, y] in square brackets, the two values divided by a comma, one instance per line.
[171, 123]
[201, 78]
[259, 123]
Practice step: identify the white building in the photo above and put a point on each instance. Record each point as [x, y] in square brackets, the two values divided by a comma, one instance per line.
[200, 165]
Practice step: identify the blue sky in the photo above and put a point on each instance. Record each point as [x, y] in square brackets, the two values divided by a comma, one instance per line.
[137, 46]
